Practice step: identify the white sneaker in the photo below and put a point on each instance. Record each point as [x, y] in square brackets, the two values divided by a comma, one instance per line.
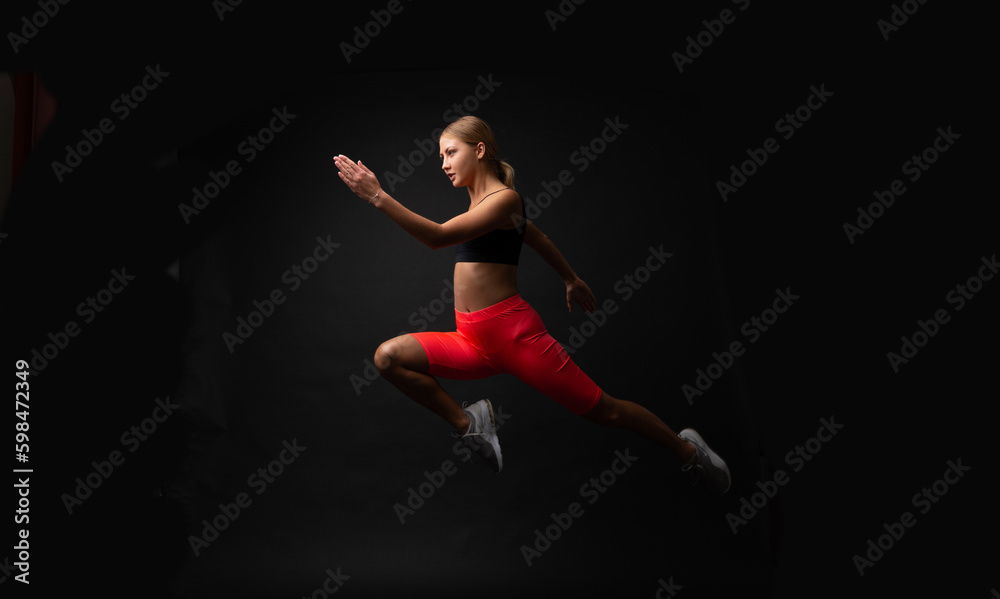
[706, 463]
[482, 434]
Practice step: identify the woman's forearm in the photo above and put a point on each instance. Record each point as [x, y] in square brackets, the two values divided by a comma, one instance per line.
[550, 253]
[363, 182]
[423, 229]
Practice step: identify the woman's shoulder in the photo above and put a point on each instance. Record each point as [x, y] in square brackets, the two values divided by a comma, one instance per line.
[502, 197]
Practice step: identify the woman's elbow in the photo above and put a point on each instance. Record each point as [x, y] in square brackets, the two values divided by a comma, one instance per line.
[436, 242]
[440, 238]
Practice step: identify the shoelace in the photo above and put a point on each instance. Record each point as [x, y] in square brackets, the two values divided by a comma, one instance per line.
[694, 466]
[458, 435]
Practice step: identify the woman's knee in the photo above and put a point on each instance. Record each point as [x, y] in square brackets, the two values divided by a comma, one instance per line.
[399, 352]
[607, 411]
[387, 354]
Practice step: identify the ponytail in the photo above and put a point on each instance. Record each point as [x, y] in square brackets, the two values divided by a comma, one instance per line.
[505, 172]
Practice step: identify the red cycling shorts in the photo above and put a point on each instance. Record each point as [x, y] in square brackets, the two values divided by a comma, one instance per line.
[509, 338]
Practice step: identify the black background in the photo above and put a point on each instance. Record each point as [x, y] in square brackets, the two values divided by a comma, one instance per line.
[332, 507]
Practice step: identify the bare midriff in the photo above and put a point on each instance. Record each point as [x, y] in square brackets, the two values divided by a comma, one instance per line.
[480, 285]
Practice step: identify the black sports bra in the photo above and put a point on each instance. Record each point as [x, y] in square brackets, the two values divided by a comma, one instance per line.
[499, 246]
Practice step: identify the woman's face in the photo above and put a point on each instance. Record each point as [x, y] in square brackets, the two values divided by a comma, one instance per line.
[459, 160]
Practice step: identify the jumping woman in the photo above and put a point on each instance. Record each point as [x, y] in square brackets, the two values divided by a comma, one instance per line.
[497, 331]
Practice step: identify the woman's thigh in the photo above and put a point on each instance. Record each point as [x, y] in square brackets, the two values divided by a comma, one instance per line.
[450, 356]
[540, 361]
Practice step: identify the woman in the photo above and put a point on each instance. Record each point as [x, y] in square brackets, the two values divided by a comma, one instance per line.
[497, 331]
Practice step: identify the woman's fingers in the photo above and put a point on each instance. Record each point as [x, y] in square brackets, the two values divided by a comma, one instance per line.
[351, 169]
[344, 163]
[358, 177]
[348, 171]
[583, 296]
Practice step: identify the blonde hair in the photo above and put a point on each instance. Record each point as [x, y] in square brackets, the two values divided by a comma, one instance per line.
[472, 130]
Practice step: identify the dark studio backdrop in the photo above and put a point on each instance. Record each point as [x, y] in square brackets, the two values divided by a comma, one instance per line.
[200, 297]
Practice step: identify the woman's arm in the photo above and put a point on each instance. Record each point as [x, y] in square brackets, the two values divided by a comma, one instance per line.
[576, 289]
[463, 227]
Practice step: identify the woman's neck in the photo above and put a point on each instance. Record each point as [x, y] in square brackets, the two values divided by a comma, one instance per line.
[481, 186]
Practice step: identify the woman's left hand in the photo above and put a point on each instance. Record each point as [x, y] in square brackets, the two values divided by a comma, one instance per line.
[358, 177]
[579, 292]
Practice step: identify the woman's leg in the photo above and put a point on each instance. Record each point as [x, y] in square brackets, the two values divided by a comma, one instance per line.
[403, 362]
[692, 450]
[631, 416]
[540, 361]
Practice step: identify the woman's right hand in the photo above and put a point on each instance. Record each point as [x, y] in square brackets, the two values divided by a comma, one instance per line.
[357, 177]
[579, 292]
